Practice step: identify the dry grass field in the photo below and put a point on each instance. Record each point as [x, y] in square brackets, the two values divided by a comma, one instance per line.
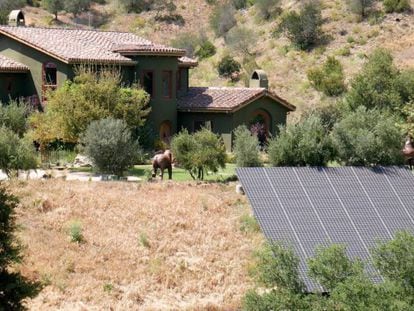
[150, 246]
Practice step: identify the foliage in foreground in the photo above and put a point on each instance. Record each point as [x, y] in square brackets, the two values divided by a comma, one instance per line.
[303, 28]
[72, 107]
[305, 143]
[199, 153]
[14, 288]
[345, 279]
[15, 153]
[13, 115]
[368, 137]
[110, 145]
[246, 148]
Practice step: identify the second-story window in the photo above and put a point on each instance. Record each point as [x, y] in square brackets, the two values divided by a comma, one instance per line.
[148, 82]
[166, 84]
[49, 74]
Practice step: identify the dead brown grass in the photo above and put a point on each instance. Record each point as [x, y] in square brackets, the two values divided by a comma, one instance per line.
[195, 257]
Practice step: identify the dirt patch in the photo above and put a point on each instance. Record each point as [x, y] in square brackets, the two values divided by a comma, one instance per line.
[148, 247]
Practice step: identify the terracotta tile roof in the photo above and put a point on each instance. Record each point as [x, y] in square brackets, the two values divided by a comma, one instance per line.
[9, 65]
[78, 45]
[224, 98]
[187, 62]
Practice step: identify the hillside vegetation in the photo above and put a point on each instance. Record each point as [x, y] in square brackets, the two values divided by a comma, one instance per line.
[347, 36]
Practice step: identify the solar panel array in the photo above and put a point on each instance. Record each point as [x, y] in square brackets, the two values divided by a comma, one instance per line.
[306, 207]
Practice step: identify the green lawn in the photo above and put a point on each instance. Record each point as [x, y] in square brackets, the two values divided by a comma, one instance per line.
[179, 174]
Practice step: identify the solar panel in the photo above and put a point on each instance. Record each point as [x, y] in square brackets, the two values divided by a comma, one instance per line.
[306, 207]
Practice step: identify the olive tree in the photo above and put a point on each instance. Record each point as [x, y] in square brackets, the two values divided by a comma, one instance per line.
[246, 148]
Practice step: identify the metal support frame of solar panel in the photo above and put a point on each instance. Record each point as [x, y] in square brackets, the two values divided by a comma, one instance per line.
[307, 207]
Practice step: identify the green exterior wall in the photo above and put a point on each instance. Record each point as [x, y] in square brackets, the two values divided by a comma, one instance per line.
[224, 123]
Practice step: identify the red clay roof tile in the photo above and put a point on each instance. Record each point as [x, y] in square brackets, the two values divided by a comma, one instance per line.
[9, 65]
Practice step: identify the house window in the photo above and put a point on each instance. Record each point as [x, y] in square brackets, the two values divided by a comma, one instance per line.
[148, 82]
[166, 84]
[9, 85]
[49, 74]
[198, 125]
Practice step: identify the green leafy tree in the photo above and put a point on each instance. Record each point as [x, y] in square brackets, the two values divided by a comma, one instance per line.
[227, 66]
[14, 288]
[136, 6]
[199, 153]
[301, 144]
[54, 6]
[241, 39]
[397, 6]
[222, 18]
[329, 78]
[109, 143]
[77, 6]
[377, 85]
[246, 148]
[72, 107]
[15, 153]
[268, 9]
[304, 29]
[368, 137]
[360, 7]
[13, 115]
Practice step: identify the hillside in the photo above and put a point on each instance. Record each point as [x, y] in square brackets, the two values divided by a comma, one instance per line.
[349, 40]
[152, 246]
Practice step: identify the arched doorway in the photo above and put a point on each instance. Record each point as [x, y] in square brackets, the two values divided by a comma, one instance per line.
[166, 132]
[260, 124]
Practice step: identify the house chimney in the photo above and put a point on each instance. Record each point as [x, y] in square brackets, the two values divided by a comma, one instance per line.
[259, 79]
[16, 18]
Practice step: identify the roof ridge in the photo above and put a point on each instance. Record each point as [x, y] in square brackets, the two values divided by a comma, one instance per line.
[62, 28]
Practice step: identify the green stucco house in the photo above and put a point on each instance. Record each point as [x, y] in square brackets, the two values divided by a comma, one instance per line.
[33, 60]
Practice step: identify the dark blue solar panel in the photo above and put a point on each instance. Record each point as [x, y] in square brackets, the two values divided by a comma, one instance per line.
[307, 206]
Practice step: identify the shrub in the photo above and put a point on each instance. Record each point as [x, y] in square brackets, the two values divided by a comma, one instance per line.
[187, 41]
[376, 86]
[241, 39]
[75, 232]
[360, 7]
[396, 5]
[239, 4]
[109, 144]
[246, 148]
[222, 18]
[329, 78]
[200, 152]
[14, 288]
[303, 28]
[268, 8]
[368, 137]
[227, 66]
[305, 143]
[14, 116]
[15, 153]
[206, 50]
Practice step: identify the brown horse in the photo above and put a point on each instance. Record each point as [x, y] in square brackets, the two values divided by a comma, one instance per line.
[162, 161]
[408, 151]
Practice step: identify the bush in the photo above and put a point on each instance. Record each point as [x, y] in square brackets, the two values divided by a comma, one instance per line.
[303, 28]
[14, 116]
[350, 288]
[187, 41]
[227, 66]
[14, 288]
[15, 153]
[75, 232]
[360, 7]
[246, 148]
[109, 144]
[396, 5]
[206, 50]
[329, 78]
[376, 86]
[368, 137]
[239, 4]
[241, 39]
[305, 143]
[268, 8]
[222, 18]
[200, 152]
